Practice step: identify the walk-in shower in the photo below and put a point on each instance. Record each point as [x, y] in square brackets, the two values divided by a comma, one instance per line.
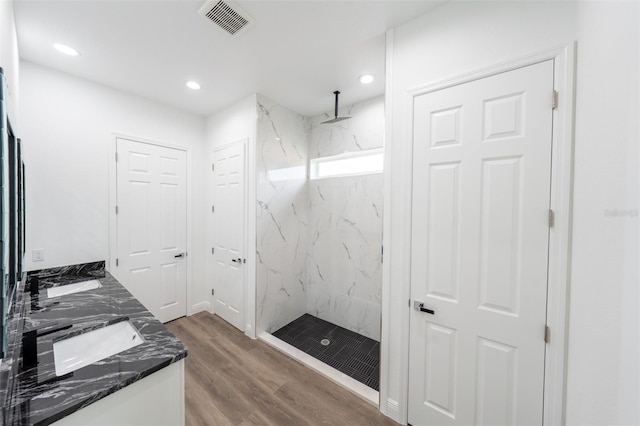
[319, 235]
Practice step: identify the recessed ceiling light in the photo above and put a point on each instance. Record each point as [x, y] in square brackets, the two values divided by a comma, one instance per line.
[66, 49]
[193, 85]
[365, 78]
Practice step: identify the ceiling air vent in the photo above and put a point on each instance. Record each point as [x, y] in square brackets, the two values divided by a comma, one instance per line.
[227, 15]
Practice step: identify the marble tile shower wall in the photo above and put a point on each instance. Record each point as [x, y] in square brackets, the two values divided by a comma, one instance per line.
[319, 241]
[365, 130]
[344, 269]
[282, 140]
[344, 264]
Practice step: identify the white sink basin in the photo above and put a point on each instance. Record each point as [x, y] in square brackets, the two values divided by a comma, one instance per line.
[73, 288]
[85, 349]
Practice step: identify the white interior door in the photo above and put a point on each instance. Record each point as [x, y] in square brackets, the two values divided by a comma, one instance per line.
[152, 226]
[480, 230]
[229, 233]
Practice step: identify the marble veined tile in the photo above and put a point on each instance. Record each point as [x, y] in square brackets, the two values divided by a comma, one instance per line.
[364, 130]
[319, 242]
[344, 252]
[281, 214]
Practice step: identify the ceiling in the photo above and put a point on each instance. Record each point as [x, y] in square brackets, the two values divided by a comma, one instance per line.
[296, 53]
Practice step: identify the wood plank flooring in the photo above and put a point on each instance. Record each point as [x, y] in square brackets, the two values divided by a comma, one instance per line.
[233, 380]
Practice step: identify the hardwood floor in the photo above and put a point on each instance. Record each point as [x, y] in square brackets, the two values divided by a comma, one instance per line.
[234, 380]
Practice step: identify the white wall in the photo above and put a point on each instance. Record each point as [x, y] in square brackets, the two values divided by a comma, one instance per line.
[232, 124]
[67, 130]
[9, 60]
[458, 37]
[603, 374]
[237, 122]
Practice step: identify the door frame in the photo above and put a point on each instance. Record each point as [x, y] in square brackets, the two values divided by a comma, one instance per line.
[397, 260]
[248, 302]
[112, 202]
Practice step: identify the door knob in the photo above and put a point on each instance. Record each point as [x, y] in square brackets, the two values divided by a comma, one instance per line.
[179, 255]
[419, 306]
[238, 260]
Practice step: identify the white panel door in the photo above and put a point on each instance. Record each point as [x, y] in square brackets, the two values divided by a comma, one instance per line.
[229, 233]
[152, 226]
[480, 229]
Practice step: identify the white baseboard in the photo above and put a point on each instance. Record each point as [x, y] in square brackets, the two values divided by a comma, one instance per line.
[393, 409]
[249, 331]
[200, 307]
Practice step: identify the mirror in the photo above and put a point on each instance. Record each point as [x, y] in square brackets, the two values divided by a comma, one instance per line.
[12, 222]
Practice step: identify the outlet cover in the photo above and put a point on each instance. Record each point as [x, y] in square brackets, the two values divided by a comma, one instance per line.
[37, 255]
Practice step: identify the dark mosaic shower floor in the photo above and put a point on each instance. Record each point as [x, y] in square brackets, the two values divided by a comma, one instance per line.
[349, 352]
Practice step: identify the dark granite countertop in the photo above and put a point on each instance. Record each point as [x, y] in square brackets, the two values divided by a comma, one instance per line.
[37, 396]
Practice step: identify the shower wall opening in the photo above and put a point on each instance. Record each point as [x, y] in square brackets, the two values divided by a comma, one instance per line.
[319, 240]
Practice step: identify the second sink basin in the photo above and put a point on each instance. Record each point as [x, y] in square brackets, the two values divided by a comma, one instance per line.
[73, 288]
[79, 351]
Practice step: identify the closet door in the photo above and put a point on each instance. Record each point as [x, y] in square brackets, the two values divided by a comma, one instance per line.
[229, 195]
[152, 226]
[480, 233]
